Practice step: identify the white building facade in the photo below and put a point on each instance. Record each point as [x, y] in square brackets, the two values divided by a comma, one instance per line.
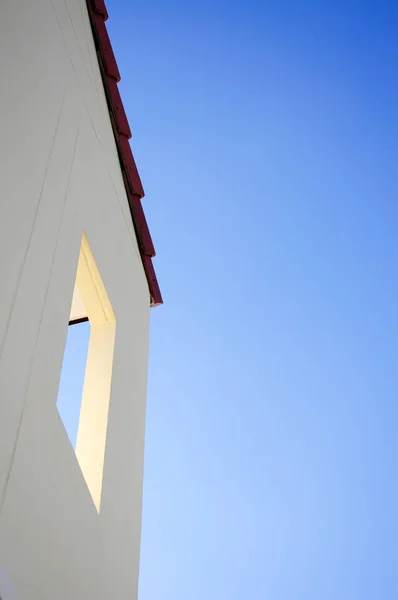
[71, 228]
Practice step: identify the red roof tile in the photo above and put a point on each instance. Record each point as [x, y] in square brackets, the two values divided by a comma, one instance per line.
[110, 77]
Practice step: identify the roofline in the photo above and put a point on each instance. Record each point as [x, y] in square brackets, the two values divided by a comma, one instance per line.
[121, 129]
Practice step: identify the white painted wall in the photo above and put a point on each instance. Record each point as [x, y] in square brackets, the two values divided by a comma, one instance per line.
[59, 175]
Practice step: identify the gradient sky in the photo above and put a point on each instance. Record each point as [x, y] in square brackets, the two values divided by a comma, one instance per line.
[266, 135]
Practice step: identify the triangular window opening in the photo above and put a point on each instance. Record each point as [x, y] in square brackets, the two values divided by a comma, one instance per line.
[72, 377]
[74, 367]
[85, 382]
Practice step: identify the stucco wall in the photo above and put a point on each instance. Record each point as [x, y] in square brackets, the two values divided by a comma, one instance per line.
[60, 176]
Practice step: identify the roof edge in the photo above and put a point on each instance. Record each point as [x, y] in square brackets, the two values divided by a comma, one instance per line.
[135, 192]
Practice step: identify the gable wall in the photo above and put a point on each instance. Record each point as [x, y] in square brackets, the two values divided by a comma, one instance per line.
[60, 176]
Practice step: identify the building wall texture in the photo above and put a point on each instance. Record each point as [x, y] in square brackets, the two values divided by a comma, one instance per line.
[59, 177]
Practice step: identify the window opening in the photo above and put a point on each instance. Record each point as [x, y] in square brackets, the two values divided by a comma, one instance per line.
[85, 383]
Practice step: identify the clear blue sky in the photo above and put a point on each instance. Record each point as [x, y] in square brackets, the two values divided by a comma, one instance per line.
[266, 135]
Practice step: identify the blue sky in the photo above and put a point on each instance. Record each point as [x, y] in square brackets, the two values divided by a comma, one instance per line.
[266, 135]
